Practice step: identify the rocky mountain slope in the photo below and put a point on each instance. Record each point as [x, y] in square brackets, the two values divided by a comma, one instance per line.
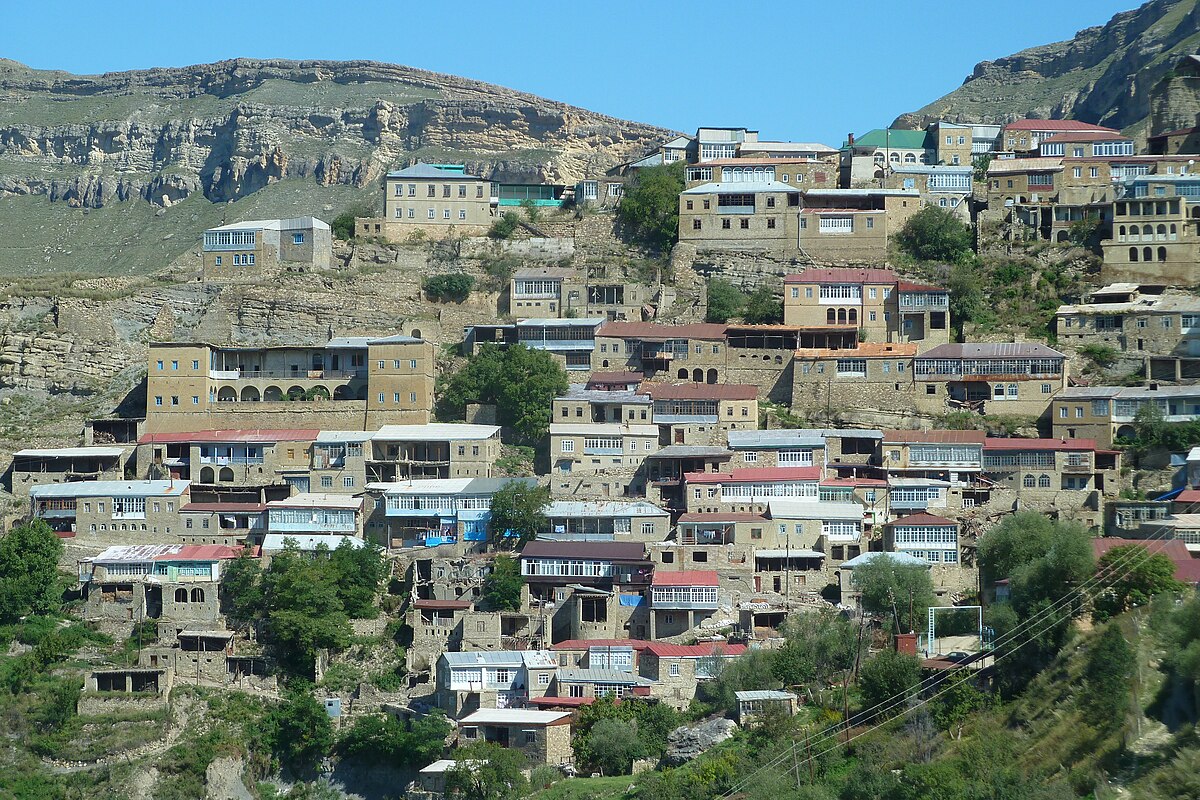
[1104, 75]
[223, 131]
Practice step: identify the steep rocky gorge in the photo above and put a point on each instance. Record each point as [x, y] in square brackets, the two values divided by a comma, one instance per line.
[229, 128]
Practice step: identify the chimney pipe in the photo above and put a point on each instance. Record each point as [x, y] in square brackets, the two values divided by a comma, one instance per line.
[849, 138]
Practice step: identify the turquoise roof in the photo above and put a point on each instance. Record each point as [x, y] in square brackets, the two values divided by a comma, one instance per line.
[892, 137]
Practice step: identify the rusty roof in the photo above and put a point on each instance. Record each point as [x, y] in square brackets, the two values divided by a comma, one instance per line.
[655, 330]
[842, 274]
[934, 437]
[864, 350]
[699, 391]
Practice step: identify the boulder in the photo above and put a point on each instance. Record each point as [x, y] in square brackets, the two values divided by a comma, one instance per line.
[689, 741]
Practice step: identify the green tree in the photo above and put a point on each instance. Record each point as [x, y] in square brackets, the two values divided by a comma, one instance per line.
[763, 307]
[241, 590]
[1107, 677]
[819, 645]
[1019, 539]
[358, 574]
[611, 746]
[532, 212]
[650, 205]
[653, 722]
[887, 675]
[900, 593]
[955, 701]
[385, 739]
[1131, 576]
[501, 589]
[967, 301]
[935, 234]
[29, 579]
[343, 224]
[303, 611]
[297, 730]
[517, 511]
[980, 166]
[487, 771]
[724, 301]
[522, 383]
[505, 227]
[752, 670]
[449, 288]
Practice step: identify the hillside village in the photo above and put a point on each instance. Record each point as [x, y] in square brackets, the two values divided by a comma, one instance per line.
[606, 461]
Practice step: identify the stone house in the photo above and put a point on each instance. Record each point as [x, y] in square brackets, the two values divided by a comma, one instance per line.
[315, 513]
[584, 404]
[36, 467]
[219, 522]
[111, 511]
[608, 654]
[352, 382]
[434, 450]
[561, 292]
[925, 536]
[776, 448]
[869, 377]
[680, 601]
[1017, 379]
[954, 144]
[590, 683]
[677, 669]
[1137, 319]
[865, 159]
[543, 737]
[754, 703]
[468, 681]
[852, 225]
[593, 447]
[230, 458]
[1025, 136]
[1156, 232]
[639, 521]
[246, 250]
[876, 302]
[947, 187]
[1107, 413]
[1181, 141]
[547, 566]
[700, 413]
[439, 200]
[435, 512]
[571, 341]
[693, 352]
[749, 490]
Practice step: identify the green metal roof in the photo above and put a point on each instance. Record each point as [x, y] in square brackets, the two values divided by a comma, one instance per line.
[891, 137]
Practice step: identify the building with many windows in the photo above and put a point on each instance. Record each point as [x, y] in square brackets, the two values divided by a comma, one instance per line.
[437, 199]
[1108, 413]
[433, 512]
[351, 382]
[1019, 378]
[248, 249]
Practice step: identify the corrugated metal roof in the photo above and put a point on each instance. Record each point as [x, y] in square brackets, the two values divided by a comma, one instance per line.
[578, 392]
[423, 170]
[795, 552]
[764, 694]
[1038, 444]
[1086, 136]
[491, 658]
[691, 451]
[807, 509]
[307, 542]
[903, 559]
[755, 474]
[435, 431]
[702, 650]
[110, 489]
[927, 520]
[241, 436]
[937, 437]
[318, 500]
[1007, 166]
[741, 187]
[602, 676]
[774, 439]
[602, 429]
[1054, 125]
[842, 275]
[587, 644]
[992, 350]
[699, 391]
[718, 517]
[513, 716]
[291, 224]
[72, 452]
[602, 508]
[653, 331]
[606, 551]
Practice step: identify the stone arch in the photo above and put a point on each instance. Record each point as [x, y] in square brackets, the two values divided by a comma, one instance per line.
[319, 393]
[1133, 254]
[1161, 230]
[841, 316]
[227, 394]
[1043, 481]
[1162, 254]
[197, 595]
[181, 595]
[1121, 230]
[852, 316]
[712, 376]
[1127, 432]
[683, 374]
[1147, 230]
[295, 393]
[604, 363]
[697, 375]
[1062, 236]
[207, 475]
[831, 317]
[272, 394]
[250, 394]
[416, 333]
[1196, 212]
[1147, 254]
[342, 392]
[225, 475]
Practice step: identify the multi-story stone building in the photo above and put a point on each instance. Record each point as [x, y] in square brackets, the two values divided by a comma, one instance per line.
[925, 536]
[570, 341]
[351, 382]
[543, 737]
[680, 601]
[229, 458]
[439, 200]
[947, 187]
[469, 681]
[581, 405]
[866, 158]
[1108, 413]
[852, 225]
[249, 249]
[867, 377]
[883, 306]
[429, 513]
[37, 467]
[954, 144]
[1026, 135]
[701, 413]
[598, 446]
[112, 511]
[433, 450]
[694, 352]
[316, 514]
[743, 214]
[749, 490]
[591, 520]
[1156, 232]
[1019, 378]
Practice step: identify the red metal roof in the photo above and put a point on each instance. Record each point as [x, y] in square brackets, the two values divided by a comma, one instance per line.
[696, 577]
[1085, 136]
[202, 552]
[702, 650]
[843, 274]
[584, 644]
[1054, 125]
[992, 443]
[938, 437]
[654, 330]
[853, 481]
[255, 435]
[1176, 132]
[923, 519]
[1188, 496]
[443, 605]
[699, 391]
[756, 474]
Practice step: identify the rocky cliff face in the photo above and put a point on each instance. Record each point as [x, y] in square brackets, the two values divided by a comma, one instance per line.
[230, 128]
[1104, 75]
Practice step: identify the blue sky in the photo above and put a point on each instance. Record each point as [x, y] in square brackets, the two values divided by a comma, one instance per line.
[790, 68]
